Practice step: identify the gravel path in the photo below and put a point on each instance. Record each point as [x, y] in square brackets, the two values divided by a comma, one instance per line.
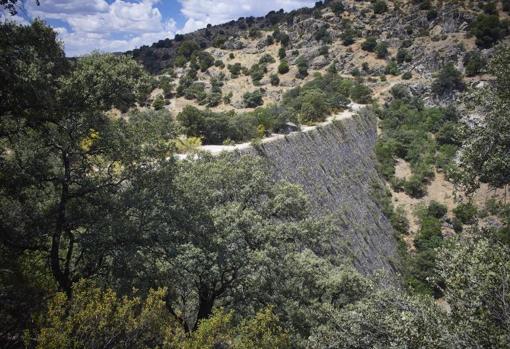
[216, 149]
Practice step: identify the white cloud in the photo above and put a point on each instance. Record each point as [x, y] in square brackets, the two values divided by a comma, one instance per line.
[95, 24]
[199, 13]
[122, 25]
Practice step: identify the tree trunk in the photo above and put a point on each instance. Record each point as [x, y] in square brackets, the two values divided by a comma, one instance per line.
[205, 306]
[61, 277]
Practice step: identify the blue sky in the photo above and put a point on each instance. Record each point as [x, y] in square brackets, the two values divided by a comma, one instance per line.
[121, 25]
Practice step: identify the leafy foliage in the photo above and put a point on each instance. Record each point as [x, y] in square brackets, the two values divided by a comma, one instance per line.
[380, 6]
[253, 99]
[369, 44]
[407, 127]
[487, 146]
[448, 80]
[283, 68]
[488, 30]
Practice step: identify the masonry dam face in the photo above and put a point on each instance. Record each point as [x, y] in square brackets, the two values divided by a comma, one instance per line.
[335, 164]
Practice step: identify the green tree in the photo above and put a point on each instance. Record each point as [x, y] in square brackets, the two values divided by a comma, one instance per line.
[369, 44]
[448, 80]
[253, 99]
[381, 50]
[486, 155]
[380, 6]
[488, 30]
[475, 271]
[281, 53]
[474, 63]
[283, 68]
[95, 318]
[158, 103]
[275, 80]
[62, 177]
[227, 210]
[302, 66]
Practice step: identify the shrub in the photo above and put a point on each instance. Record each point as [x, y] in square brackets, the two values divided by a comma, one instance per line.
[180, 61]
[448, 80]
[414, 187]
[361, 94]
[205, 60]
[392, 68]
[283, 67]
[165, 83]
[253, 99]
[337, 8]
[275, 80]
[425, 5]
[436, 209]
[407, 75]
[234, 69]
[369, 44]
[406, 43]
[254, 33]
[380, 6]
[219, 63]
[313, 106]
[196, 91]
[324, 50]
[269, 40]
[215, 128]
[257, 72]
[219, 41]
[400, 91]
[266, 59]
[159, 102]
[488, 30]
[213, 99]
[187, 48]
[284, 39]
[227, 99]
[448, 134]
[399, 221]
[474, 63]
[302, 66]
[231, 55]
[281, 53]
[403, 55]
[431, 14]
[323, 35]
[317, 98]
[466, 213]
[348, 36]
[381, 50]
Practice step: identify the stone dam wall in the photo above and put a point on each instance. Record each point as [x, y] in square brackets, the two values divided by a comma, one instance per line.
[335, 164]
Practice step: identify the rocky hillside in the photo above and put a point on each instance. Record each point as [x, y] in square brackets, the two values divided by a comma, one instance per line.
[334, 163]
[254, 77]
[381, 42]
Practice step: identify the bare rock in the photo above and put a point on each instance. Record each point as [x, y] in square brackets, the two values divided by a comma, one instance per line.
[233, 44]
[319, 62]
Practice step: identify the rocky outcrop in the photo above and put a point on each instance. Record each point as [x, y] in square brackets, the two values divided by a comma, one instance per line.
[335, 165]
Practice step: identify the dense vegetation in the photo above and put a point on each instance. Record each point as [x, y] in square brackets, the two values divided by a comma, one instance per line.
[430, 136]
[306, 104]
[424, 137]
[109, 241]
